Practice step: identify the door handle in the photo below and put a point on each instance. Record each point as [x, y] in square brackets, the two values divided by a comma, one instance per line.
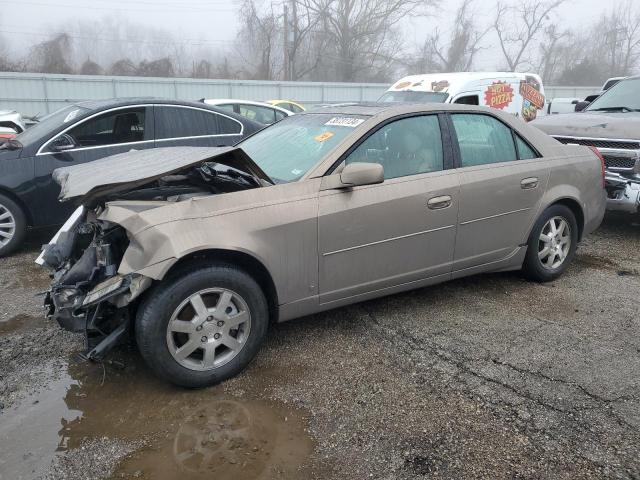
[437, 203]
[528, 183]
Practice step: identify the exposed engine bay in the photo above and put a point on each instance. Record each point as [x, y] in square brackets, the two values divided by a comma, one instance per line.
[87, 293]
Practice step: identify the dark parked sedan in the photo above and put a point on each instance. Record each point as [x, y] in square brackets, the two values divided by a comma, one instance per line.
[88, 131]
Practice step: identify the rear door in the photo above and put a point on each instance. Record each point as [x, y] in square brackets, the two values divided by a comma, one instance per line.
[502, 181]
[401, 231]
[114, 131]
[177, 125]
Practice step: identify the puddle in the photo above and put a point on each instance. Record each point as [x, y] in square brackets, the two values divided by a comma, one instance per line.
[20, 322]
[29, 432]
[188, 433]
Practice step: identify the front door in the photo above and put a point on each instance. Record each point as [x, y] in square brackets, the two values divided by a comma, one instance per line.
[401, 231]
[502, 180]
[112, 132]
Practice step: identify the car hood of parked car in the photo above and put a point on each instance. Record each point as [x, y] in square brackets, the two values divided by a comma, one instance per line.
[619, 125]
[108, 176]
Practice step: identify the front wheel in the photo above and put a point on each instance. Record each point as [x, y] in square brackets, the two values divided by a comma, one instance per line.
[13, 225]
[552, 244]
[202, 327]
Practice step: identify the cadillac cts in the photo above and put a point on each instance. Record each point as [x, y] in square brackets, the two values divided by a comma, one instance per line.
[197, 250]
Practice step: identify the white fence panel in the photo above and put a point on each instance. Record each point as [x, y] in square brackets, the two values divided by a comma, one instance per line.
[31, 93]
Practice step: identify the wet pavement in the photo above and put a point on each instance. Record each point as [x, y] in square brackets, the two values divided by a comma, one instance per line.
[200, 433]
[485, 377]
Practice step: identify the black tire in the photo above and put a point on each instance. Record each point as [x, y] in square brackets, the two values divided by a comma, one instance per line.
[533, 267]
[155, 312]
[19, 230]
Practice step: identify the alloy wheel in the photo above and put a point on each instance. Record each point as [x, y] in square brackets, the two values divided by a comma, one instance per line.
[7, 226]
[554, 243]
[208, 329]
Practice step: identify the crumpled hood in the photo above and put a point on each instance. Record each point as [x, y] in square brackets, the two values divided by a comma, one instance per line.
[129, 170]
[591, 124]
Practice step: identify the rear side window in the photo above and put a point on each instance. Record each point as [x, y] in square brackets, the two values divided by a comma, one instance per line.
[229, 126]
[468, 100]
[264, 115]
[112, 128]
[525, 152]
[483, 140]
[177, 122]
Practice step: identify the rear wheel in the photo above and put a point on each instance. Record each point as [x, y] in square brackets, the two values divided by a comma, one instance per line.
[202, 327]
[13, 225]
[552, 244]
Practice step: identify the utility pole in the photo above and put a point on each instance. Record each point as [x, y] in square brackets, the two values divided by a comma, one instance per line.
[286, 42]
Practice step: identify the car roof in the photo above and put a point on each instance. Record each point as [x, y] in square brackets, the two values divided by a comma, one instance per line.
[226, 101]
[119, 102]
[393, 109]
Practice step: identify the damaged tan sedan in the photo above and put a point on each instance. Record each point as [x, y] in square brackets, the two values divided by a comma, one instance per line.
[197, 250]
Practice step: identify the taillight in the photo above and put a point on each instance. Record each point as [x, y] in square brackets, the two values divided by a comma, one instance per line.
[603, 167]
[7, 135]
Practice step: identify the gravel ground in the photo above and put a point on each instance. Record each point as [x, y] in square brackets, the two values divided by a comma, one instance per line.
[485, 377]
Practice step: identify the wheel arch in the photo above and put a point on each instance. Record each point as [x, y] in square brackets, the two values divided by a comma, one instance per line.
[243, 260]
[8, 193]
[575, 207]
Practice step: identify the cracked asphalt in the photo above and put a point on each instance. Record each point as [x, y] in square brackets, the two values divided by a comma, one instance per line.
[490, 376]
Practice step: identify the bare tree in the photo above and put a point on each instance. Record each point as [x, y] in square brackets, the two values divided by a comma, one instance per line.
[52, 56]
[89, 67]
[123, 67]
[464, 42]
[259, 40]
[557, 49]
[518, 27]
[616, 39]
[362, 40]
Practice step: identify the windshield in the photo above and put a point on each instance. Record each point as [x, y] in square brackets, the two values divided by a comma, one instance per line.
[623, 96]
[50, 122]
[410, 96]
[287, 150]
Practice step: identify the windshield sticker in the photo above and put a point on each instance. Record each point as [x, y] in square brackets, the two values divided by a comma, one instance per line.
[71, 116]
[498, 95]
[323, 136]
[297, 172]
[345, 122]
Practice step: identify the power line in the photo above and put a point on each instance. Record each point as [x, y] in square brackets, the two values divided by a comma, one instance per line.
[112, 8]
[123, 39]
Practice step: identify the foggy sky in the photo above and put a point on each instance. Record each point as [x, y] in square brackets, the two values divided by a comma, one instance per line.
[25, 22]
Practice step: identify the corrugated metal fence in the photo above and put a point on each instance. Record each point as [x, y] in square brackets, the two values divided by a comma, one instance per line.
[31, 94]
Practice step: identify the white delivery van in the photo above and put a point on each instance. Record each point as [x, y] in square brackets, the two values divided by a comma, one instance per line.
[521, 94]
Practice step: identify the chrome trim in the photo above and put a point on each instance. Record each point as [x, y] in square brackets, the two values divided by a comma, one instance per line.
[143, 105]
[494, 216]
[628, 140]
[80, 149]
[387, 240]
[200, 136]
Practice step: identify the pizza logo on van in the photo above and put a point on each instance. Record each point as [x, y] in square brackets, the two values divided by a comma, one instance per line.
[439, 86]
[401, 85]
[529, 92]
[498, 95]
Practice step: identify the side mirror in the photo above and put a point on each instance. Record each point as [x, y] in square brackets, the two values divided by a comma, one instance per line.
[354, 175]
[63, 143]
[580, 106]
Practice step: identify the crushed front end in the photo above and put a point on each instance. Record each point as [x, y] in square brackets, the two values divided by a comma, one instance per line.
[87, 294]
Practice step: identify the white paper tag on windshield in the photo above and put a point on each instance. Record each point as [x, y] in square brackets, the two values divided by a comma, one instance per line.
[345, 122]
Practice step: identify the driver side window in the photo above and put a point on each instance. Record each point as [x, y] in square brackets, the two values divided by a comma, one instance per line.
[119, 126]
[408, 146]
